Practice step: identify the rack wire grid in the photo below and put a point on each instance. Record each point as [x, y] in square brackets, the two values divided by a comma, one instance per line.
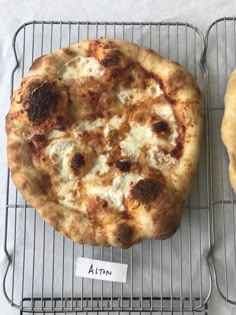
[221, 59]
[163, 276]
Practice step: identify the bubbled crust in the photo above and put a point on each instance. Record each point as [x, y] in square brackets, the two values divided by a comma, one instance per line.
[155, 204]
[228, 126]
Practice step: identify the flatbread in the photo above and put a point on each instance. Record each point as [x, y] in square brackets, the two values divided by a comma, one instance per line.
[228, 126]
[104, 139]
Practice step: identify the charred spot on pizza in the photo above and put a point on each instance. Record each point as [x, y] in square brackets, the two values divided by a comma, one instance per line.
[41, 101]
[123, 165]
[160, 127]
[77, 161]
[59, 120]
[147, 190]
[104, 203]
[38, 138]
[124, 233]
[112, 58]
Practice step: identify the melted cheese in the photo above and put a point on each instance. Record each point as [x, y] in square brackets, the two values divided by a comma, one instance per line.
[80, 67]
[158, 159]
[142, 136]
[134, 95]
[116, 192]
[56, 134]
[68, 193]
[114, 123]
[59, 152]
[138, 137]
[99, 168]
[88, 126]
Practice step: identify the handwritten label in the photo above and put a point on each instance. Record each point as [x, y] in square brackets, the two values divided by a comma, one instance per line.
[101, 270]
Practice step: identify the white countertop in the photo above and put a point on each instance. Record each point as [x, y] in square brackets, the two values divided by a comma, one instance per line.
[13, 13]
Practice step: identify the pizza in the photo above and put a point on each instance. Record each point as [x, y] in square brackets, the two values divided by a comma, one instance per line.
[228, 126]
[104, 139]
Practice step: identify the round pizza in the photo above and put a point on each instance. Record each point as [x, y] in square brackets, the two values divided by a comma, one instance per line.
[228, 126]
[104, 139]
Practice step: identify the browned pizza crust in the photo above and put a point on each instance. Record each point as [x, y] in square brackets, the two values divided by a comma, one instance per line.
[228, 127]
[50, 99]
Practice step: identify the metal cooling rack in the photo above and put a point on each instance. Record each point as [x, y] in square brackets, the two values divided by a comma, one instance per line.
[221, 59]
[163, 276]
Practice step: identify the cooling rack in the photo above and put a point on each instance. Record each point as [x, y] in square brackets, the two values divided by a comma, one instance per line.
[221, 59]
[163, 276]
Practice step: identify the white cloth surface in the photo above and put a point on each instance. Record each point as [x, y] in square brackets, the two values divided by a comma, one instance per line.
[13, 13]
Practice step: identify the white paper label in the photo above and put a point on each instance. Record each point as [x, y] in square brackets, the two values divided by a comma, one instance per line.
[101, 270]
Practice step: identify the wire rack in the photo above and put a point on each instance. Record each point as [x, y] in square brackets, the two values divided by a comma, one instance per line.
[221, 59]
[163, 276]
